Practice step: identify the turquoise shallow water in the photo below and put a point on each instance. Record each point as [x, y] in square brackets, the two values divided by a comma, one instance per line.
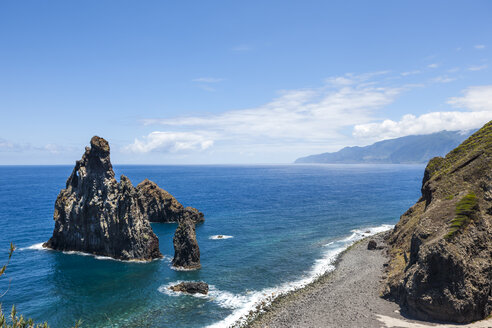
[286, 222]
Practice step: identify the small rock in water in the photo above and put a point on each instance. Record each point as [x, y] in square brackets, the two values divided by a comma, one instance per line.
[220, 237]
[372, 245]
[191, 287]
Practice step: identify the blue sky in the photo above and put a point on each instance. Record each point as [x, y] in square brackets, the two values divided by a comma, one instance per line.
[199, 82]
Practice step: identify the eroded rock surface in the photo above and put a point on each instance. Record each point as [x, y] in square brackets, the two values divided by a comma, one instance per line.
[186, 250]
[441, 250]
[160, 206]
[96, 214]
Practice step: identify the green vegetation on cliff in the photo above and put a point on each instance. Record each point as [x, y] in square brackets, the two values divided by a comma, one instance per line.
[465, 209]
[478, 143]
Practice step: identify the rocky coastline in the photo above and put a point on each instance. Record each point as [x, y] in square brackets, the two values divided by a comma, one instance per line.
[434, 269]
[349, 296]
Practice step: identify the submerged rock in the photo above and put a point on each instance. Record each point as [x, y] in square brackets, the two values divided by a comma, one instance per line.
[186, 250]
[96, 214]
[191, 287]
[160, 206]
[441, 250]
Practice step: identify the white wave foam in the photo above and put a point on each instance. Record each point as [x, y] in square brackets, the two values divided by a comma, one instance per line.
[256, 301]
[223, 298]
[181, 268]
[39, 247]
[215, 237]
[36, 247]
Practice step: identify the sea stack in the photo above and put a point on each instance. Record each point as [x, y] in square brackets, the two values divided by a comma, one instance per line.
[441, 250]
[96, 214]
[160, 206]
[186, 251]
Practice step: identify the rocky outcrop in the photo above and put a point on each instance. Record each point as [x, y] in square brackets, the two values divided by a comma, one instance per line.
[441, 250]
[191, 287]
[160, 206]
[96, 214]
[186, 251]
[372, 245]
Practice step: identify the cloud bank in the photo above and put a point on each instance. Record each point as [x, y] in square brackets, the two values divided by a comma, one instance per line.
[477, 101]
[345, 110]
[302, 116]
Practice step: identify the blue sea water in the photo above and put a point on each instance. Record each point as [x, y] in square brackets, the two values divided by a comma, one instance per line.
[287, 223]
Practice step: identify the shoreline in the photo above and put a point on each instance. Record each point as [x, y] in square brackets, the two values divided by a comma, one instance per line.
[348, 296]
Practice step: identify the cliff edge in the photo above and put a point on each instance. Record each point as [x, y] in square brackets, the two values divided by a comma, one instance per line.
[441, 250]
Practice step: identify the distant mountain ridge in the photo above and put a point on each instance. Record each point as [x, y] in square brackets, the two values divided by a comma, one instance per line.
[405, 150]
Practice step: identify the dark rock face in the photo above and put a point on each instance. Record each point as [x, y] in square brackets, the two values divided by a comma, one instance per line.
[441, 250]
[186, 251]
[372, 245]
[160, 206]
[96, 214]
[191, 287]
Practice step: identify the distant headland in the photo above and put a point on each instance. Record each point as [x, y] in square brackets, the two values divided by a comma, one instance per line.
[411, 149]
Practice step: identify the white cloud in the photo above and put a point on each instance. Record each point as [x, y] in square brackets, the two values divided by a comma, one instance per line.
[433, 65]
[171, 142]
[10, 146]
[477, 100]
[52, 148]
[477, 68]
[208, 80]
[423, 124]
[480, 46]
[443, 79]
[6, 145]
[411, 73]
[315, 115]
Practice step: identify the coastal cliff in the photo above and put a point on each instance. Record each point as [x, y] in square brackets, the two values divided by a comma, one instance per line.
[441, 249]
[96, 214]
[160, 206]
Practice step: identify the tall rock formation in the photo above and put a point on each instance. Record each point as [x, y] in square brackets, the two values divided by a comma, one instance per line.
[96, 214]
[186, 251]
[160, 206]
[441, 250]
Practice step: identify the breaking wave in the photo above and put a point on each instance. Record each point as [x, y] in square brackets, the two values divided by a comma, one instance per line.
[250, 303]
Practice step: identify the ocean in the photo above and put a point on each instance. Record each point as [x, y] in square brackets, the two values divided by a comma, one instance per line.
[284, 225]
